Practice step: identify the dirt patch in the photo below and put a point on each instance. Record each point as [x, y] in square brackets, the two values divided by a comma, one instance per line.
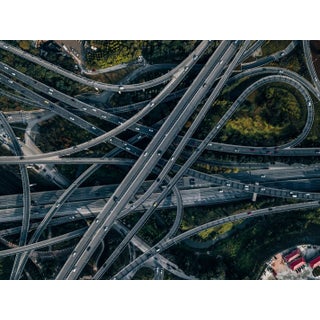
[278, 264]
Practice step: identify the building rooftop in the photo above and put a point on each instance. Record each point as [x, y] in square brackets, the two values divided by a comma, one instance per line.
[297, 264]
[315, 262]
[292, 255]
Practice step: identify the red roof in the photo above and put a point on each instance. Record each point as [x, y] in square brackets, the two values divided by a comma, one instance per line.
[292, 255]
[315, 262]
[297, 263]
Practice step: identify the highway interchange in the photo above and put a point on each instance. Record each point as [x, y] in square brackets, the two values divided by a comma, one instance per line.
[164, 138]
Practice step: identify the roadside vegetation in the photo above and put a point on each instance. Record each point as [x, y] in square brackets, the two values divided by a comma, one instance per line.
[272, 46]
[270, 117]
[273, 115]
[39, 73]
[102, 54]
[242, 255]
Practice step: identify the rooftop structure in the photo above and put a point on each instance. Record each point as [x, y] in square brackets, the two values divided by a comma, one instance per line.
[292, 255]
[297, 264]
[315, 262]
